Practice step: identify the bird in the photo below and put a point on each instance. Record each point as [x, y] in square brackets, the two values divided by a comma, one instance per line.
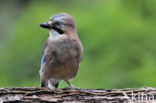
[62, 51]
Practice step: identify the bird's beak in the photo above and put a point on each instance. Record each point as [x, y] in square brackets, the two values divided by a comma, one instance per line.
[45, 25]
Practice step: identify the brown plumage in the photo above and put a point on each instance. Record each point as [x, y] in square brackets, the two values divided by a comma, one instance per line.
[62, 51]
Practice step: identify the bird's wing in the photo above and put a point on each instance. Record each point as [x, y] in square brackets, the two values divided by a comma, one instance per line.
[44, 47]
[43, 52]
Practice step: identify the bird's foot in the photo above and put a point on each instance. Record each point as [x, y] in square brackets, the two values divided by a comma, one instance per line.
[70, 86]
[50, 89]
[54, 90]
[72, 89]
[67, 88]
[46, 89]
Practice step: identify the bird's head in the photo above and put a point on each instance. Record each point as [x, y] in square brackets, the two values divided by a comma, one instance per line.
[61, 23]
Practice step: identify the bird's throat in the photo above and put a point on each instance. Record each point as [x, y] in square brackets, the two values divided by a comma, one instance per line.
[54, 35]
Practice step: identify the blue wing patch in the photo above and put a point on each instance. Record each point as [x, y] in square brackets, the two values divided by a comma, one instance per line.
[43, 59]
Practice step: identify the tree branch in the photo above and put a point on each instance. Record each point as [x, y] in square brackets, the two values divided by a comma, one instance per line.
[34, 94]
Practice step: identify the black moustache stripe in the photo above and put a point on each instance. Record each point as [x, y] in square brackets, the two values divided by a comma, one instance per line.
[58, 30]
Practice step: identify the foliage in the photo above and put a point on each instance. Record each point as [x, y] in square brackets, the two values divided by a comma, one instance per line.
[118, 37]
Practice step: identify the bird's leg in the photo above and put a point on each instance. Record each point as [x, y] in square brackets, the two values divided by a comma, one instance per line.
[71, 86]
[43, 83]
[51, 86]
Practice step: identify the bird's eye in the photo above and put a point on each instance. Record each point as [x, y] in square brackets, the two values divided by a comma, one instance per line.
[58, 24]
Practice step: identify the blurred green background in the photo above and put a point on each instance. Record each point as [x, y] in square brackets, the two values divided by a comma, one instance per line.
[118, 36]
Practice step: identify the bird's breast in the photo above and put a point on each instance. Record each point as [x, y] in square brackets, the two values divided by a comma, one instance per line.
[63, 58]
[64, 51]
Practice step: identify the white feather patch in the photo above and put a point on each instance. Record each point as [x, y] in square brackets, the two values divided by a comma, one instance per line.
[54, 35]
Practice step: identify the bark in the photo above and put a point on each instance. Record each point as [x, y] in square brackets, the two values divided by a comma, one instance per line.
[37, 95]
